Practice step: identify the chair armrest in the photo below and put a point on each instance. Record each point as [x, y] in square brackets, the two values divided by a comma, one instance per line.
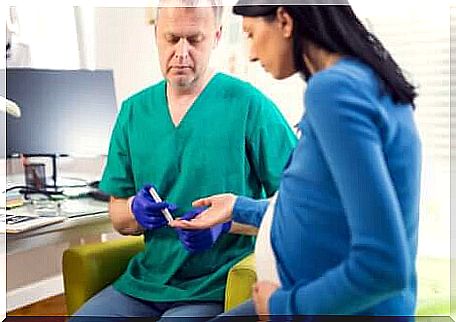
[241, 278]
[87, 269]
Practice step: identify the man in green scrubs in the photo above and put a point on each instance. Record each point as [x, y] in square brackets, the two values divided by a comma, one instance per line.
[194, 134]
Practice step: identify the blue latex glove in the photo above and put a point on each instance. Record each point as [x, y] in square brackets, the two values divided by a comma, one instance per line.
[196, 240]
[147, 212]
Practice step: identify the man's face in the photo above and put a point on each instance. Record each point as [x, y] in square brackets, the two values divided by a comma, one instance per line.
[185, 39]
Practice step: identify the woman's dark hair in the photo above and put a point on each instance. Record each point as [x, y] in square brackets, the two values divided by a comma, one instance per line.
[336, 29]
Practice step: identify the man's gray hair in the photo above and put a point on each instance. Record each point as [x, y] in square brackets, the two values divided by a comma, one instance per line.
[216, 5]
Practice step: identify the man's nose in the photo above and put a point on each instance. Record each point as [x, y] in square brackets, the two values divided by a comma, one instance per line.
[182, 49]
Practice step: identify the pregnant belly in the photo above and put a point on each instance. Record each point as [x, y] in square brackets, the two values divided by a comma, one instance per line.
[266, 266]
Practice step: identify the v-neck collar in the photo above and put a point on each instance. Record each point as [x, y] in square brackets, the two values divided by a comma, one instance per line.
[190, 109]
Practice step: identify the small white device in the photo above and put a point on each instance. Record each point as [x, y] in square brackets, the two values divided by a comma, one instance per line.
[157, 198]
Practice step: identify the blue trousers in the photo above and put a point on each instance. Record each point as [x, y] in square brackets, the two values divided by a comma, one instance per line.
[110, 303]
[243, 312]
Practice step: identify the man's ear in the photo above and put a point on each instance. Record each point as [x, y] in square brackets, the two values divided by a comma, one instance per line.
[218, 36]
[285, 22]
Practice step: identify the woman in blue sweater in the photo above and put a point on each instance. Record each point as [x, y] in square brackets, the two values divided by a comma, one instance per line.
[343, 227]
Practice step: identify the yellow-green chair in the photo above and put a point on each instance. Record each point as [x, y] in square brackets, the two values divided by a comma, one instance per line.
[87, 269]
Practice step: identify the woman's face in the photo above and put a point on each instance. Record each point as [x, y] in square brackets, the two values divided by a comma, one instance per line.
[271, 43]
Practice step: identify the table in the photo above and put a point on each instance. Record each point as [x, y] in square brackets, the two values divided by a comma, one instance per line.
[28, 248]
[70, 230]
[73, 230]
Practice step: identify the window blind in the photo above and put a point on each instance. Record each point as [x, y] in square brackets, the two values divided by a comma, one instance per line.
[421, 45]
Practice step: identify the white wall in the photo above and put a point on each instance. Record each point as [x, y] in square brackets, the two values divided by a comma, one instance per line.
[125, 43]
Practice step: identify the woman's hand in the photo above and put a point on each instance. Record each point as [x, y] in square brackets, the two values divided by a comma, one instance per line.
[262, 292]
[197, 240]
[220, 208]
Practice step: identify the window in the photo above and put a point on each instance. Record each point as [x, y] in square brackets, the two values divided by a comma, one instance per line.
[50, 35]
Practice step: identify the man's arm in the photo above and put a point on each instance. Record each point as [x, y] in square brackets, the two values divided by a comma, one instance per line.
[242, 229]
[122, 219]
[270, 141]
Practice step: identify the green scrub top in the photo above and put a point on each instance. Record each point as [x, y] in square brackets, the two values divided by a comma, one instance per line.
[232, 139]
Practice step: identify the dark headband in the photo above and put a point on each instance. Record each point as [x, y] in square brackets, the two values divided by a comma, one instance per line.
[261, 8]
[253, 11]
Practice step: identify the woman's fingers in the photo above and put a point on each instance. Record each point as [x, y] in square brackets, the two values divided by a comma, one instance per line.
[193, 224]
[203, 202]
[219, 211]
[206, 219]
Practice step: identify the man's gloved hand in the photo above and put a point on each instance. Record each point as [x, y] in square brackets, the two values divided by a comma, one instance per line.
[147, 212]
[196, 240]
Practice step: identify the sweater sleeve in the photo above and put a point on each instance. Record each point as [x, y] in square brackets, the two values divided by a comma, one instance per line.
[249, 211]
[343, 115]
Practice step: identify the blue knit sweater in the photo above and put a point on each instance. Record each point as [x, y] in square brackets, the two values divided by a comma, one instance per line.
[345, 225]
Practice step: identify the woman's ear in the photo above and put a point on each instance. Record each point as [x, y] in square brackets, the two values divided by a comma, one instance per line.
[285, 22]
